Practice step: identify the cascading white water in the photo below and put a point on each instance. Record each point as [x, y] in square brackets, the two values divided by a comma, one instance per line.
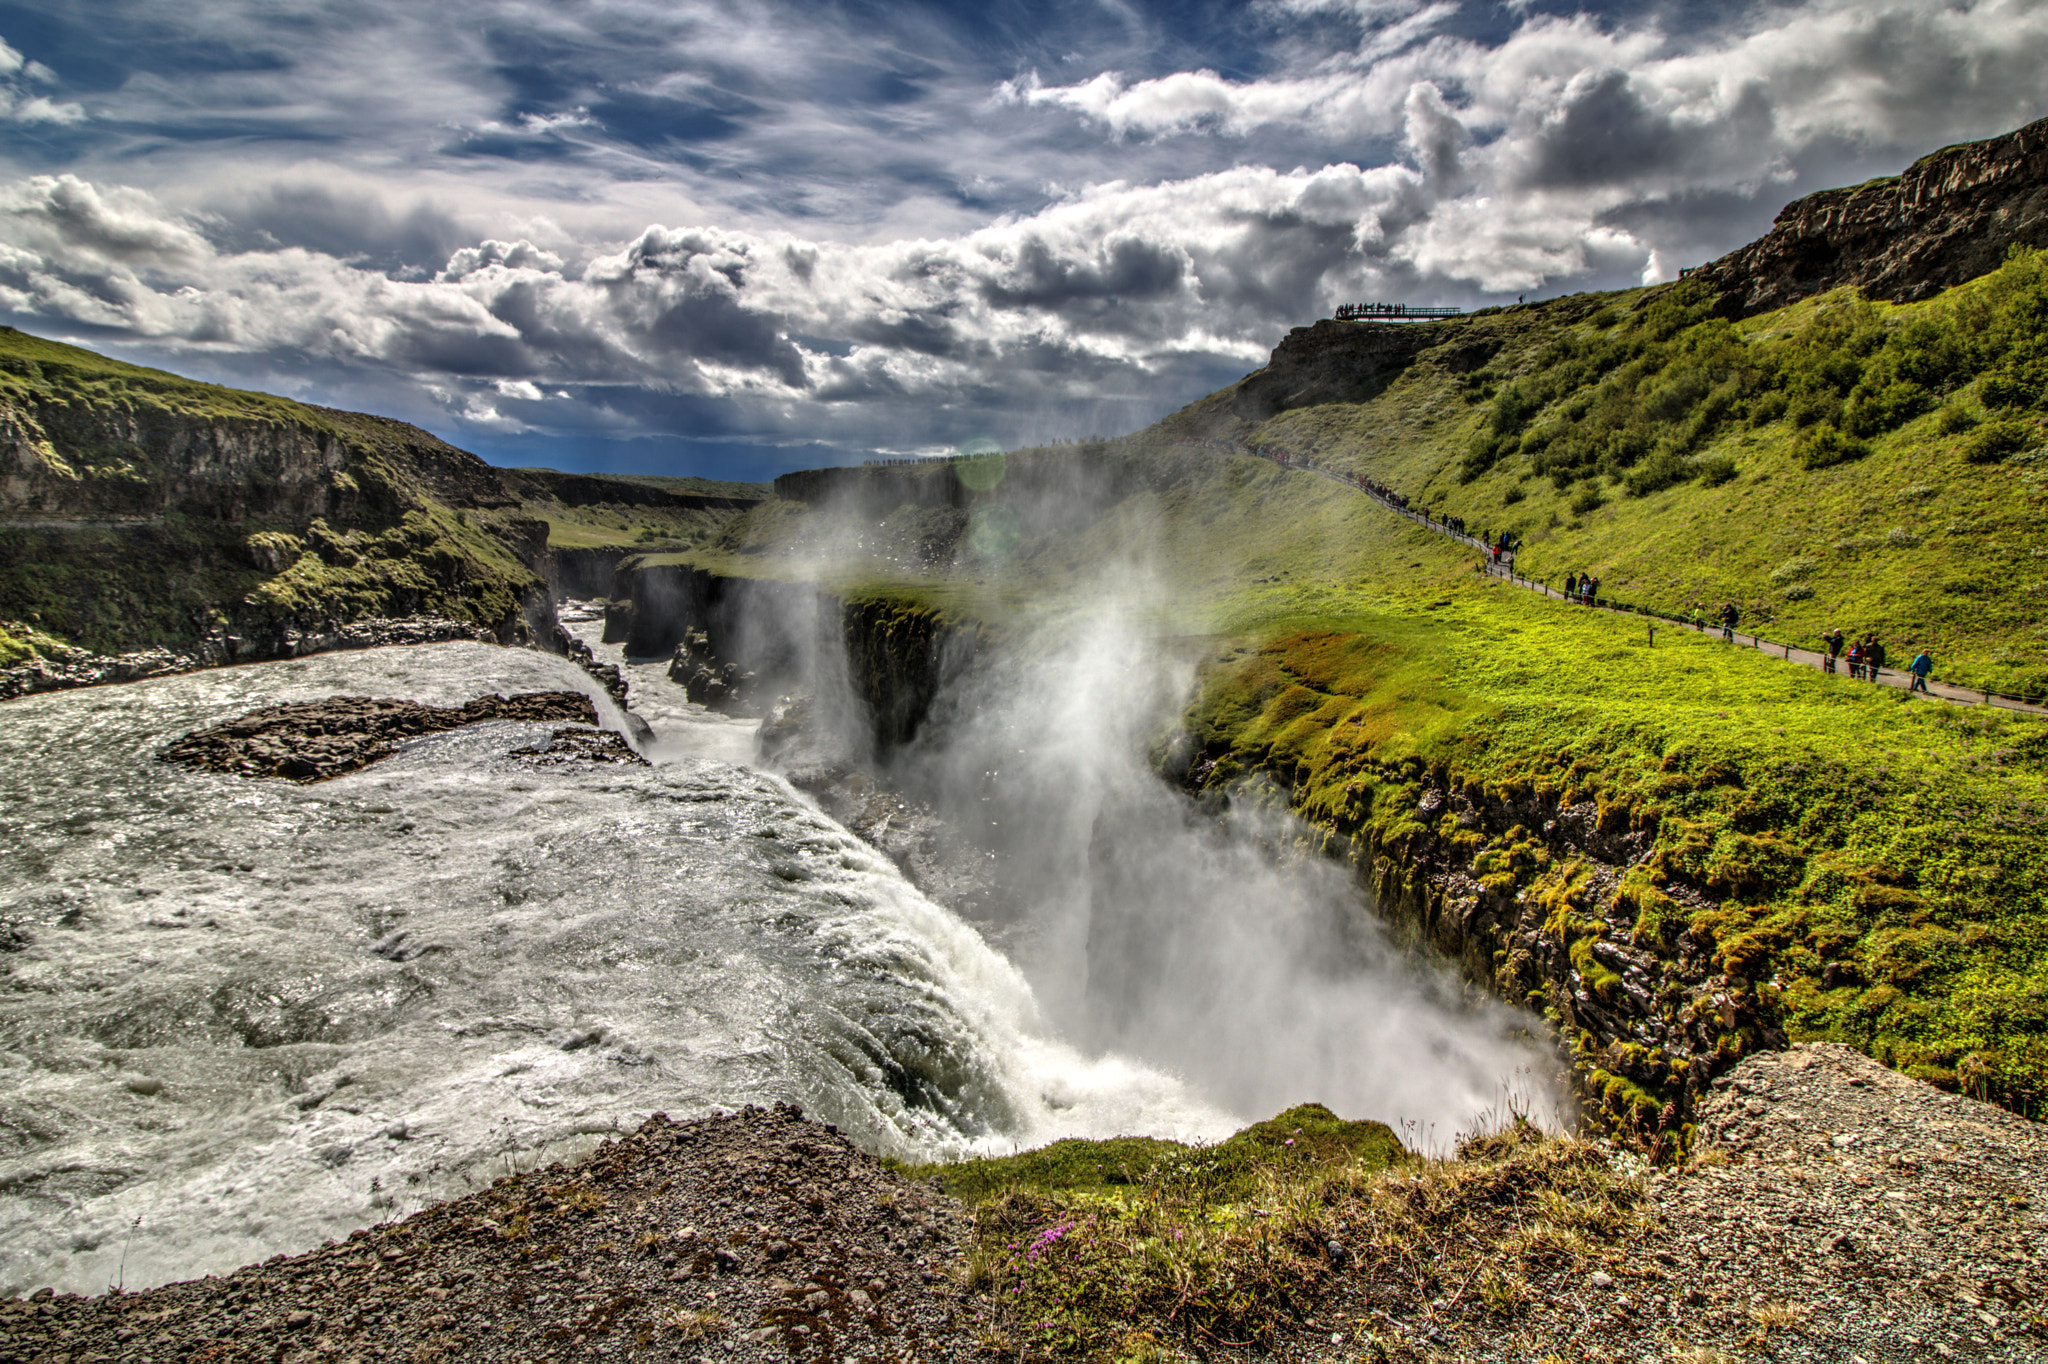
[243, 1016]
[1154, 931]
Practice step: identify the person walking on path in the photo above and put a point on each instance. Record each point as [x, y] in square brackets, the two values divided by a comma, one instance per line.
[1856, 660]
[1571, 586]
[1873, 659]
[1831, 647]
[1593, 592]
[1731, 616]
[1920, 667]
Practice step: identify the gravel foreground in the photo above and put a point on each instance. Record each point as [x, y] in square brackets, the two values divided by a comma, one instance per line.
[1836, 1211]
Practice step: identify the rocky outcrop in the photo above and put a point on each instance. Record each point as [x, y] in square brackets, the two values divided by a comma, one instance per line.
[1334, 362]
[64, 669]
[573, 747]
[742, 641]
[576, 651]
[899, 659]
[308, 741]
[1950, 218]
[1331, 362]
[759, 1236]
[586, 574]
[766, 627]
[710, 681]
[1651, 1023]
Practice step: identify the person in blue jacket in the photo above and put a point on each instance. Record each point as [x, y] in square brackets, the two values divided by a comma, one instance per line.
[1920, 667]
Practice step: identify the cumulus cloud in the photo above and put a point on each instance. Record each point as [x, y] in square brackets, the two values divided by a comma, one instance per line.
[864, 230]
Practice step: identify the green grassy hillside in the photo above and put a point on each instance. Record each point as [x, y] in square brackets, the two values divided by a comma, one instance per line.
[119, 534]
[1838, 462]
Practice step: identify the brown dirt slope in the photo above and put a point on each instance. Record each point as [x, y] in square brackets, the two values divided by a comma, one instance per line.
[1843, 1212]
[758, 1235]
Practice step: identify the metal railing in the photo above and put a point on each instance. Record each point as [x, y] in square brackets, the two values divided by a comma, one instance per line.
[1394, 312]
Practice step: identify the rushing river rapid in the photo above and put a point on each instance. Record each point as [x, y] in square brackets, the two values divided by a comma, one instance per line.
[241, 1016]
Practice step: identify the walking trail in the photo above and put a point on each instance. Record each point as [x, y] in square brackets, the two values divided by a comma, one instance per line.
[1896, 678]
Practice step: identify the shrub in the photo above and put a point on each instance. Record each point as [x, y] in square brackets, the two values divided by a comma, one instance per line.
[1794, 570]
[1813, 409]
[1870, 412]
[1797, 592]
[1954, 420]
[1898, 537]
[1588, 500]
[1513, 495]
[1661, 470]
[1716, 471]
[1824, 446]
[2003, 390]
[1769, 408]
[1993, 441]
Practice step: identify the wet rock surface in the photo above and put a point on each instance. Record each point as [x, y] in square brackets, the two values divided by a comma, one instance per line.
[82, 668]
[710, 681]
[759, 1235]
[607, 675]
[570, 746]
[310, 741]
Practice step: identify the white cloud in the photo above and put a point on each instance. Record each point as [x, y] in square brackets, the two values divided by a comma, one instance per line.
[18, 104]
[854, 240]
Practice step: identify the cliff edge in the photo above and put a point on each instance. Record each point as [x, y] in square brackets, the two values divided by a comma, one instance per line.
[1949, 218]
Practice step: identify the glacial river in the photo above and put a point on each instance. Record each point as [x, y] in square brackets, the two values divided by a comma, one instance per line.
[242, 1016]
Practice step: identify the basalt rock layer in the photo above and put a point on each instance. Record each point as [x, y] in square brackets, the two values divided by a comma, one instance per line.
[62, 669]
[1949, 218]
[1532, 897]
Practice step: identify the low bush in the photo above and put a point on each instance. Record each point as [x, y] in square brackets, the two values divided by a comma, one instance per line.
[1824, 446]
[1954, 420]
[1716, 471]
[1993, 441]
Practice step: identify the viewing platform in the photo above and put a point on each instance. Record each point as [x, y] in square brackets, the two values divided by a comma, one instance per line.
[1394, 312]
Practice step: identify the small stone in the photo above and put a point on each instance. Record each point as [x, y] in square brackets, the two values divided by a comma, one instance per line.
[299, 1320]
[1600, 1279]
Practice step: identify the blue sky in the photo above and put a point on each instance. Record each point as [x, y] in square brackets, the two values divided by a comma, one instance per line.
[738, 237]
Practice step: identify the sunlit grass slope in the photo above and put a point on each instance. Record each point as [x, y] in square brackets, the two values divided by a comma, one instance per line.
[1839, 462]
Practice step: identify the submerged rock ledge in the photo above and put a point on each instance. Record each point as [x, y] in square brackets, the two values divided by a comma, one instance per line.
[308, 741]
